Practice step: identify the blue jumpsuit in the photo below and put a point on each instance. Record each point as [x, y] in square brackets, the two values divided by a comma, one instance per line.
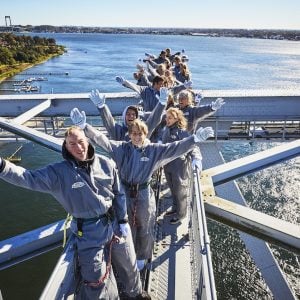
[119, 132]
[195, 114]
[178, 171]
[136, 166]
[126, 265]
[87, 190]
[150, 95]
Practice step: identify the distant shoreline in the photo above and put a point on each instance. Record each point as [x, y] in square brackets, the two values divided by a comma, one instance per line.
[14, 70]
[276, 34]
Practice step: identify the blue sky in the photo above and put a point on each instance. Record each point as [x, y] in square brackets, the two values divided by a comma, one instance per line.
[249, 14]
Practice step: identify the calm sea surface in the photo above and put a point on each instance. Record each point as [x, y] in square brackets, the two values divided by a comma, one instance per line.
[93, 61]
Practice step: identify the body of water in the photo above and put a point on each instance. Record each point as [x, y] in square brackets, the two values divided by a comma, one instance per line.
[93, 61]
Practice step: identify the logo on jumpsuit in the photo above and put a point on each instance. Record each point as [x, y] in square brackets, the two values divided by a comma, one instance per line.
[144, 158]
[77, 185]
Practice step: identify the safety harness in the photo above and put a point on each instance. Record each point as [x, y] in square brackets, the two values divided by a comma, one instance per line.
[68, 219]
[115, 239]
[133, 193]
[81, 221]
[134, 188]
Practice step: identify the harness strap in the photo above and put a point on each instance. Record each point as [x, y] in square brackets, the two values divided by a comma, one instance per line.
[134, 222]
[138, 186]
[133, 193]
[81, 221]
[68, 219]
[114, 239]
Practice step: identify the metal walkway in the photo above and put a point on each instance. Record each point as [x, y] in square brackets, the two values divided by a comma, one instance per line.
[171, 253]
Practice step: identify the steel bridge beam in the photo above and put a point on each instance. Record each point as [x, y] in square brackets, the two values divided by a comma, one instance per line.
[241, 105]
[26, 116]
[32, 134]
[240, 167]
[30, 244]
[278, 232]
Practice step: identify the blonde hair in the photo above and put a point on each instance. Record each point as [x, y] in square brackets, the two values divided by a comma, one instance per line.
[140, 125]
[178, 114]
[160, 69]
[184, 69]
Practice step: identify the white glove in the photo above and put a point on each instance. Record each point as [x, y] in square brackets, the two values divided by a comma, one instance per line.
[97, 98]
[198, 98]
[197, 162]
[78, 118]
[203, 134]
[125, 229]
[184, 58]
[188, 84]
[163, 95]
[215, 105]
[120, 79]
[141, 112]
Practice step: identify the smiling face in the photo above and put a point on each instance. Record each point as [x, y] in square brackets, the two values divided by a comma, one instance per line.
[137, 132]
[184, 99]
[137, 136]
[183, 102]
[77, 144]
[130, 116]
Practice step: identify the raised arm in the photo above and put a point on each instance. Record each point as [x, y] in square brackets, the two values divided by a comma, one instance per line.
[105, 113]
[43, 180]
[128, 84]
[201, 112]
[178, 88]
[152, 70]
[173, 150]
[155, 117]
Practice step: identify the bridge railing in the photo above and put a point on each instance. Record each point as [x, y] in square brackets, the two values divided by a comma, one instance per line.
[203, 283]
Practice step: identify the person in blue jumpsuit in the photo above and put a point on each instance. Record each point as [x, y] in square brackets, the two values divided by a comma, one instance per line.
[136, 161]
[177, 172]
[150, 95]
[194, 114]
[119, 132]
[87, 186]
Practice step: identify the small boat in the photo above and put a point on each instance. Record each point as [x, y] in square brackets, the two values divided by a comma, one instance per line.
[13, 157]
[29, 88]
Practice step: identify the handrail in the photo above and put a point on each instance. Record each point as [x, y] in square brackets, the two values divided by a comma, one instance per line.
[206, 286]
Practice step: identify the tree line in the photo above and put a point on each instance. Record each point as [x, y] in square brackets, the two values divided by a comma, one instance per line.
[18, 49]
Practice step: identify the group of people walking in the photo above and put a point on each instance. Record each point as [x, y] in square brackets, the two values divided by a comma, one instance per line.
[111, 198]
